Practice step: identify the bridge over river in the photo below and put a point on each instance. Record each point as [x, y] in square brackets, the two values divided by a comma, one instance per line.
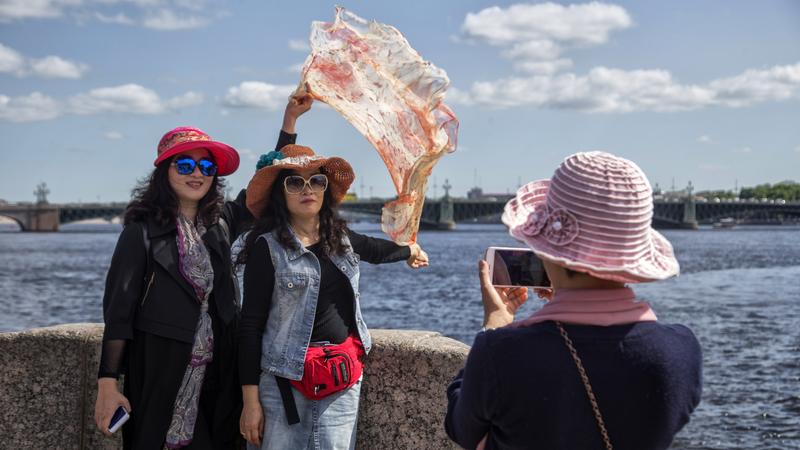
[445, 212]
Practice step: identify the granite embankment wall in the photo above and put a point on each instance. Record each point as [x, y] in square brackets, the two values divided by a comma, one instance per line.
[48, 388]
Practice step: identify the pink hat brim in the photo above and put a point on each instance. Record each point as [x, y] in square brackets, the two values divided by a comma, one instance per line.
[225, 156]
[656, 262]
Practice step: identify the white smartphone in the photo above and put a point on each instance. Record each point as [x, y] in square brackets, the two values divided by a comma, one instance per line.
[513, 267]
[118, 419]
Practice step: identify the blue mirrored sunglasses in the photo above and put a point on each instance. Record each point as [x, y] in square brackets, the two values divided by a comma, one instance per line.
[185, 166]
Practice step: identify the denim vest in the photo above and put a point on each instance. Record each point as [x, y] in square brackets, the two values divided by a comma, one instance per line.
[294, 304]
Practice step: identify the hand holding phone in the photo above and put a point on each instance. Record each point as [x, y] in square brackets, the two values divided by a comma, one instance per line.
[500, 304]
[118, 419]
[514, 267]
[111, 407]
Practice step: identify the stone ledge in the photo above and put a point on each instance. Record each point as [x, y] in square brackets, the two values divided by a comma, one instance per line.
[48, 389]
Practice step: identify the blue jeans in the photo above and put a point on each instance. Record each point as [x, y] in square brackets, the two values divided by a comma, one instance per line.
[326, 424]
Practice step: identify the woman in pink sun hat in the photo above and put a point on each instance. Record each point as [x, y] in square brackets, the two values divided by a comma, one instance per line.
[593, 368]
[170, 307]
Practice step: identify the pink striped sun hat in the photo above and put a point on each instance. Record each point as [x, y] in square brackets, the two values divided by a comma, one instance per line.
[593, 216]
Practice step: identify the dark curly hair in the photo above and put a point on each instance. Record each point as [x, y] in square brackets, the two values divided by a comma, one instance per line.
[332, 228]
[153, 197]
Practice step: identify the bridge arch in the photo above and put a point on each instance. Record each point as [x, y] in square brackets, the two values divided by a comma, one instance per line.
[15, 220]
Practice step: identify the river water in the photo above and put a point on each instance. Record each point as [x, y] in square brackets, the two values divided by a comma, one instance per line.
[739, 291]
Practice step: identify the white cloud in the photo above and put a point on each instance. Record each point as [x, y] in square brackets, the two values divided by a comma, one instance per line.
[248, 153]
[299, 45]
[608, 90]
[537, 35]
[705, 139]
[168, 20]
[128, 98]
[33, 107]
[586, 24]
[255, 94]
[30, 9]
[56, 67]
[13, 62]
[165, 15]
[601, 90]
[775, 83]
[119, 19]
[458, 97]
[184, 101]
[543, 67]
[113, 135]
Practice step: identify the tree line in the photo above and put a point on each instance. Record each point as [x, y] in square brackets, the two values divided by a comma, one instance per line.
[786, 190]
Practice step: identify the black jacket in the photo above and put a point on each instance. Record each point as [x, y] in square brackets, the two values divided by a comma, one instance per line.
[148, 292]
[146, 295]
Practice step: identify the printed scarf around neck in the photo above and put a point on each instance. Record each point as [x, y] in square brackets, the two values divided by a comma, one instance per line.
[195, 266]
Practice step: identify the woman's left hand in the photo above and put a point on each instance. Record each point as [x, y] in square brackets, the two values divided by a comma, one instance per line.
[499, 304]
[418, 257]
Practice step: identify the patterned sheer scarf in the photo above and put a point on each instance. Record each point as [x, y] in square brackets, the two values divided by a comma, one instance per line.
[195, 266]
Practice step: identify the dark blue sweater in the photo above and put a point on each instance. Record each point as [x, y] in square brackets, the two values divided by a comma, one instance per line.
[521, 386]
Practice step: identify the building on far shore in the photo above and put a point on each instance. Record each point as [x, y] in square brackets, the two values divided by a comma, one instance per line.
[477, 193]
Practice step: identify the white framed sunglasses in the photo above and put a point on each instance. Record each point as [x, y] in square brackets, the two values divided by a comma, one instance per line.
[295, 184]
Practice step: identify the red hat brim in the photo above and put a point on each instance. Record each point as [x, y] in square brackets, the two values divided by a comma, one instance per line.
[225, 156]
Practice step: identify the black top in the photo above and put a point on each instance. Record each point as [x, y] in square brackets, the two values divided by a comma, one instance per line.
[521, 386]
[335, 316]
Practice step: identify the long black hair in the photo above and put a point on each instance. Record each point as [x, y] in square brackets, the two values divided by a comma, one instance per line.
[332, 228]
[153, 197]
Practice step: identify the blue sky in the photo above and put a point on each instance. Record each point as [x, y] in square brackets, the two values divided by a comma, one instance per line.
[702, 91]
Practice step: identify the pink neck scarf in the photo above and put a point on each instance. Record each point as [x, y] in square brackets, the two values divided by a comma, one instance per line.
[602, 307]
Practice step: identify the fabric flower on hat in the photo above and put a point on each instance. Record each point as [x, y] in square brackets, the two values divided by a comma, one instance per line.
[536, 222]
[268, 159]
[561, 227]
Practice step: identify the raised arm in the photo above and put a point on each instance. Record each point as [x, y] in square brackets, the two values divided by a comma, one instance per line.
[235, 213]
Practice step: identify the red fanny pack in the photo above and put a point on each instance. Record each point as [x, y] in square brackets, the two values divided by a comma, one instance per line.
[331, 368]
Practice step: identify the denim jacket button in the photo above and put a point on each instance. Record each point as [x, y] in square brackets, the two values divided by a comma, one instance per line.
[344, 268]
[290, 285]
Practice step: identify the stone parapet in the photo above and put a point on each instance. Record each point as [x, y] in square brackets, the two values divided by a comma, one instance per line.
[48, 389]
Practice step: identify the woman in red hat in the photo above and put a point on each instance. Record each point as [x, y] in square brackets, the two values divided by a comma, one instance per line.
[302, 335]
[170, 304]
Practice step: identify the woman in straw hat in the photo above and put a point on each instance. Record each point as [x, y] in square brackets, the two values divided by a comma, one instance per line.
[302, 334]
[170, 304]
[593, 368]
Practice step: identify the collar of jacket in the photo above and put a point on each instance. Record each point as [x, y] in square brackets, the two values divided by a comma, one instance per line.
[298, 250]
[164, 249]
[210, 238]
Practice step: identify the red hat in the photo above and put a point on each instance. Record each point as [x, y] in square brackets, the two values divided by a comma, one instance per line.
[183, 139]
